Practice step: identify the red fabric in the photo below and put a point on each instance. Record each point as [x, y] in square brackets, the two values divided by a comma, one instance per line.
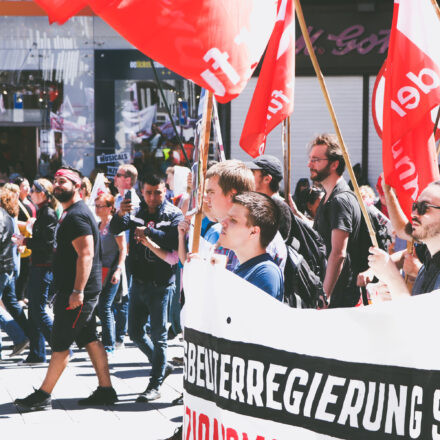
[409, 156]
[217, 44]
[273, 97]
[68, 174]
[59, 11]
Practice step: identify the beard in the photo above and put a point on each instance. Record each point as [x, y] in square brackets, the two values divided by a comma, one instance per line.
[422, 232]
[63, 196]
[321, 175]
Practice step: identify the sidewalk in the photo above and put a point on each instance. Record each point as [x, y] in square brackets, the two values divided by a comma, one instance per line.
[129, 370]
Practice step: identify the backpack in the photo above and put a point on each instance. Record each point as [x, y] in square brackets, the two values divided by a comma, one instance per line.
[302, 286]
[383, 237]
[309, 243]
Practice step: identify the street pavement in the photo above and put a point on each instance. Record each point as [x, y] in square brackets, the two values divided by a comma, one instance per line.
[67, 420]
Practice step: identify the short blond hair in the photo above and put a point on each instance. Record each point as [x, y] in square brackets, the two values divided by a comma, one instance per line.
[130, 171]
[232, 175]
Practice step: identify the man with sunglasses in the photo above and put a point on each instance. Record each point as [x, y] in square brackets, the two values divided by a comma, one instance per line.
[424, 228]
[338, 220]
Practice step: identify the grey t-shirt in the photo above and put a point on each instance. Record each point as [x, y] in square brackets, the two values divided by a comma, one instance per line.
[110, 249]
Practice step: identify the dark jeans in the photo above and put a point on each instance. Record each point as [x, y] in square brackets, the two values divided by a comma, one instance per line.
[106, 315]
[7, 294]
[174, 306]
[23, 278]
[147, 299]
[40, 282]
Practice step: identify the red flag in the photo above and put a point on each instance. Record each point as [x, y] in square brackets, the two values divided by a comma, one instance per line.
[273, 97]
[60, 11]
[217, 44]
[412, 90]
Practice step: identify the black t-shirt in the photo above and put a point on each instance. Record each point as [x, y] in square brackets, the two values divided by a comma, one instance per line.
[342, 211]
[76, 221]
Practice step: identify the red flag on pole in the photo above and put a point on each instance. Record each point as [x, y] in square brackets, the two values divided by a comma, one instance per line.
[412, 90]
[273, 97]
[216, 44]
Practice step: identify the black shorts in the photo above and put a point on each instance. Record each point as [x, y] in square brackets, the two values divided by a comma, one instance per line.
[78, 325]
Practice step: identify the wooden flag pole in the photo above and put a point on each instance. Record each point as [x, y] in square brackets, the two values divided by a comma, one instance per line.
[286, 156]
[437, 119]
[287, 159]
[318, 72]
[204, 151]
[437, 8]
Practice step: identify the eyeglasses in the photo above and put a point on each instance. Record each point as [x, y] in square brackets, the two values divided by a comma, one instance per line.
[120, 175]
[422, 207]
[102, 206]
[316, 159]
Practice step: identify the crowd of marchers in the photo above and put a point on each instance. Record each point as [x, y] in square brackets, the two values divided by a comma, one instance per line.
[68, 263]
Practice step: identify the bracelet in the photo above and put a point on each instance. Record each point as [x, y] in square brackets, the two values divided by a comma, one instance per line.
[119, 267]
[80, 292]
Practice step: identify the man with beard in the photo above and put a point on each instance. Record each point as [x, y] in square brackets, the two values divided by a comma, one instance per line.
[338, 220]
[425, 228]
[77, 276]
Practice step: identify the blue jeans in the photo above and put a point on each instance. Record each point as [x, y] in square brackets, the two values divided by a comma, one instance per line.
[40, 282]
[7, 290]
[174, 306]
[9, 326]
[105, 314]
[147, 299]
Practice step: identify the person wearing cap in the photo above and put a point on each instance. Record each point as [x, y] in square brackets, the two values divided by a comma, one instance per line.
[268, 173]
[77, 276]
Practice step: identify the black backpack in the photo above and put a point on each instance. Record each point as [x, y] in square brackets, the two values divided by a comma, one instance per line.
[302, 287]
[309, 243]
[383, 237]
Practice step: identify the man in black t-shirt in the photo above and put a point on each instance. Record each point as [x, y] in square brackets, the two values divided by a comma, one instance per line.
[77, 276]
[338, 220]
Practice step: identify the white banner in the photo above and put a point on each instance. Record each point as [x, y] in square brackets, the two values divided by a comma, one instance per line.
[258, 370]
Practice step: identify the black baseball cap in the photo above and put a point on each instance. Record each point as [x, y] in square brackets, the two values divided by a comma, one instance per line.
[268, 163]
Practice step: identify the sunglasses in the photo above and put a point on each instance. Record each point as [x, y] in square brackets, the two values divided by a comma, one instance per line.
[39, 188]
[102, 206]
[422, 207]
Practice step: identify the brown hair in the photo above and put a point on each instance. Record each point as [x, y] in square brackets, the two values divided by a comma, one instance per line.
[9, 194]
[108, 199]
[334, 151]
[232, 175]
[86, 185]
[262, 212]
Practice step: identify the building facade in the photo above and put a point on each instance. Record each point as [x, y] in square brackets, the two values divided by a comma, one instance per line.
[82, 95]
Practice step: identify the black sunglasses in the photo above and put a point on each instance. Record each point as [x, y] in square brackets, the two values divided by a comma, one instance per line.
[38, 187]
[422, 207]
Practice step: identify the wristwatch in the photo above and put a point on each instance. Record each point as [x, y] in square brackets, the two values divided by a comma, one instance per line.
[80, 292]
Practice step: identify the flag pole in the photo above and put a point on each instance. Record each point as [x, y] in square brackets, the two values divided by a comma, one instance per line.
[437, 119]
[204, 151]
[287, 156]
[437, 8]
[318, 72]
